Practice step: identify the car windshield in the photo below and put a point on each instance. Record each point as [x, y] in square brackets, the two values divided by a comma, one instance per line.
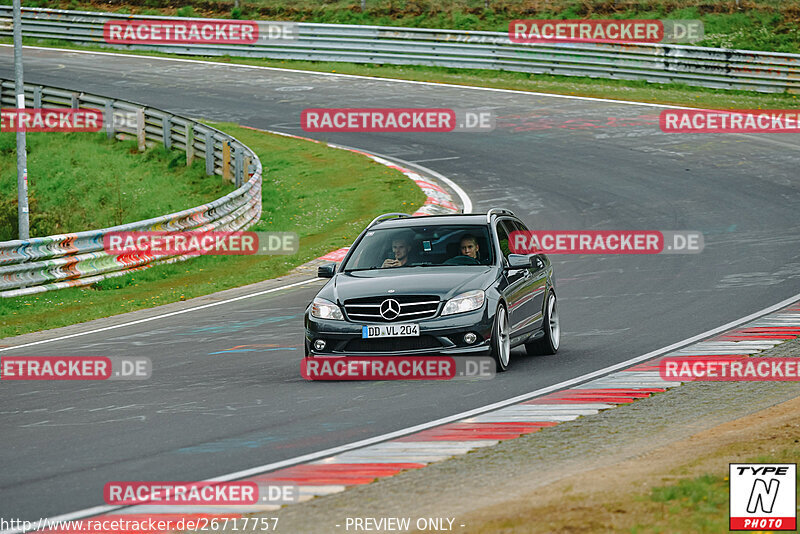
[422, 246]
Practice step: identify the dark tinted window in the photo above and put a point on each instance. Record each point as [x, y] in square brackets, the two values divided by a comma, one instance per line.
[518, 226]
[422, 246]
[515, 226]
[503, 231]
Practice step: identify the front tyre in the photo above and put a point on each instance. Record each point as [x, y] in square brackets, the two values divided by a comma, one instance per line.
[548, 344]
[501, 339]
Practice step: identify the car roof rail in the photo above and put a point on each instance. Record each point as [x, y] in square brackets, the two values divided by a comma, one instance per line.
[385, 216]
[498, 211]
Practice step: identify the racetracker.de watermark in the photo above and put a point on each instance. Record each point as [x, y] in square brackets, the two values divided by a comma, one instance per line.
[605, 31]
[201, 243]
[738, 121]
[606, 242]
[171, 493]
[396, 120]
[730, 368]
[396, 367]
[208, 31]
[75, 368]
[67, 120]
[50, 120]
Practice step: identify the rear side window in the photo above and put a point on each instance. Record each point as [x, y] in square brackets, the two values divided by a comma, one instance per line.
[518, 226]
[515, 226]
[503, 232]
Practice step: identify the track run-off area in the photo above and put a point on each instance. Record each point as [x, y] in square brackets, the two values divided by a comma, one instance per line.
[219, 402]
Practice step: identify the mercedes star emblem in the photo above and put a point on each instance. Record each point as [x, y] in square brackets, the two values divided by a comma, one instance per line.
[390, 309]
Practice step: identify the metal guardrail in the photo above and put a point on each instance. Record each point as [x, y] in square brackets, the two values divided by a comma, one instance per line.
[68, 260]
[660, 63]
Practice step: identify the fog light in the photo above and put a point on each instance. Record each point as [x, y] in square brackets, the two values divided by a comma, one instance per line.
[469, 338]
[319, 344]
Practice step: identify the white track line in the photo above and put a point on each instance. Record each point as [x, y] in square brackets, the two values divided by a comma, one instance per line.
[457, 417]
[466, 202]
[371, 78]
[399, 433]
[162, 316]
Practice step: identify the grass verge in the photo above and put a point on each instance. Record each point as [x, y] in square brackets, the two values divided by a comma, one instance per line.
[682, 488]
[81, 181]
[302, 179]
[639, 91]
[772, 25]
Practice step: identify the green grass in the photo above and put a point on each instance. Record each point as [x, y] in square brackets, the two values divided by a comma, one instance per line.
[748, 24]
[325, 195]
[699, 504]
[82, 181]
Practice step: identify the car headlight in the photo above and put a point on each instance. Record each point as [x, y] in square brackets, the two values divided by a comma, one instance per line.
[325, 309]
[471, 300]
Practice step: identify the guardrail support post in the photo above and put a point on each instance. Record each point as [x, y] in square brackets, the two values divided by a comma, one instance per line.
[189, 143]
[239, 167]
[226, 160]
[166, 131]
[37, 97]
[75, 101]
[246, 169]
[140, 131]
[209, 153]
[109, 118]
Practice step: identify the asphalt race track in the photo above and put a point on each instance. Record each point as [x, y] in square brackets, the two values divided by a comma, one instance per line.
[559, 163]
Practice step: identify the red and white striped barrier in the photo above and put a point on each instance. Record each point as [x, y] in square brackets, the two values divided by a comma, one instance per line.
[414, 451]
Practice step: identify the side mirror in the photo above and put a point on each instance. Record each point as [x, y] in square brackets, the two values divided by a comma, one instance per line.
[519, 261]
[326, 271]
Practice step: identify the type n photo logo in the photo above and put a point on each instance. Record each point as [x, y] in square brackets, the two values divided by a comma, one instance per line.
[763, 496]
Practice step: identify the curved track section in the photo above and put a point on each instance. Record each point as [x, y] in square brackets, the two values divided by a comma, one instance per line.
[226, 394]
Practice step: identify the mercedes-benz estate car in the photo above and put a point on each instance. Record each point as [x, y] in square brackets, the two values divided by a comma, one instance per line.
[435, 285]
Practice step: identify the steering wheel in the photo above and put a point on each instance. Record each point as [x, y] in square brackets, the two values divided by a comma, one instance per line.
[461, 260]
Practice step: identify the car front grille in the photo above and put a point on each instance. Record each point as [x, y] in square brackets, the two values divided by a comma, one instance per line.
[412, 308]
[394, 344]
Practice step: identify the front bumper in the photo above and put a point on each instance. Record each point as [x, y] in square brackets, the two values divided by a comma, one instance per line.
[438, 336]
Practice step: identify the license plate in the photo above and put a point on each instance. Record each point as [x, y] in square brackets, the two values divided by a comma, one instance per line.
[389, 330]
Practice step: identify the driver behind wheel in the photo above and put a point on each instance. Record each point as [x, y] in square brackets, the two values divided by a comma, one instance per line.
[469, 247]
[401, 246]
